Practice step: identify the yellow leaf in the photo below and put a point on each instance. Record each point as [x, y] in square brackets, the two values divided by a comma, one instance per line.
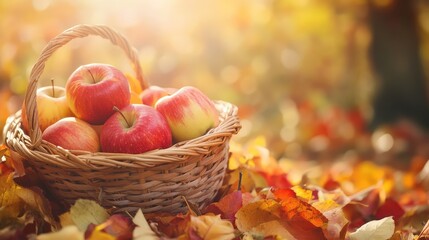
[98, 234]
[10, 202]
[85, 212]
[326, 205]
[211, 227]
[304, 194]
[262, 217]
[69, 232]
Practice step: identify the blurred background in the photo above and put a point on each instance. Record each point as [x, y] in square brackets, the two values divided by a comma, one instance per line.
[316, 79]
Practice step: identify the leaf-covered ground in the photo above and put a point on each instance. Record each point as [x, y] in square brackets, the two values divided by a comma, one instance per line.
[262, 198]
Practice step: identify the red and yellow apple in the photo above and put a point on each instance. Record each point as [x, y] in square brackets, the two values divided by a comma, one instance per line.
[136, 128]
[189, 113]
[152, 94]
[73, 134]
[93, 89]
[51, 107]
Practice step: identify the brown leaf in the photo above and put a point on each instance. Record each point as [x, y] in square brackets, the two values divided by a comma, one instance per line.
[171, 225]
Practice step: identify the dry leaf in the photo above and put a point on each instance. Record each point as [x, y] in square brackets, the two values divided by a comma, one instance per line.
[35, 199]
[142, 231]
[69, 232]
[212, 227]
[262, 218]
[117, 226]
[171, 225]
[228, 206]
[378, 229]
[424, 234]
[85, 212]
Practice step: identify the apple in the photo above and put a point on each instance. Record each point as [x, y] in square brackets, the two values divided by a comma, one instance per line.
[73, 134]
[51, 107]
[93, 89]
[136, 128]
[152, 94]
[189, 113]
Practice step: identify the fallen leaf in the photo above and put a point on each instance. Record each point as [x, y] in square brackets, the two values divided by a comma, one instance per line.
[283, 193]
[390, 207]
[278, 180]
[85, 212]
[376, 229]
[142, 231]
[68, 232]
[212, 227]
[424, 234]
[337, 224]
[117, 226]
[35, 199]
[66, 219]
[302, 193]
[303, 220]
[171, 225]
[227, 207]
[94, 232]
[262, 218]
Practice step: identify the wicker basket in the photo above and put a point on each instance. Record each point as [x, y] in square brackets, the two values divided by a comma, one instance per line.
[154, 181]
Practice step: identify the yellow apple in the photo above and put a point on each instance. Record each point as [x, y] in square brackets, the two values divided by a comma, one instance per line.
[51, 107]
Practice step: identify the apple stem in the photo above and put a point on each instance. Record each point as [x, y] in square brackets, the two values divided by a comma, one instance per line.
[53, 88]
[119, 111]
[93, 79]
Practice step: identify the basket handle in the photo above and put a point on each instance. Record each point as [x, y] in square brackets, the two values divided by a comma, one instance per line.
[78, 31]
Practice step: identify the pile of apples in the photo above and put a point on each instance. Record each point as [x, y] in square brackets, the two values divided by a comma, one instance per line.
[94, 113]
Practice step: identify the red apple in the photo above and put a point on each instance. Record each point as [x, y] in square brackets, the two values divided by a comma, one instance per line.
[137, 128]
[93, 89]
[51, 107]
[189, 113]
[73, 134]
[150, 95]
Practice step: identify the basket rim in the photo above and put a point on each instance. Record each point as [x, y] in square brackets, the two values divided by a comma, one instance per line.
[47, 153]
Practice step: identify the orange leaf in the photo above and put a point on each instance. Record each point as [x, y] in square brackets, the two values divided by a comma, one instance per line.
[297, 209]
[283, 194]
[303, 220]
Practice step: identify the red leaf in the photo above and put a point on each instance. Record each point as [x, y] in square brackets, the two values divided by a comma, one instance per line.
[362, 207]
[278, 180]
[331, 184]
[227, 207]
[390, 208]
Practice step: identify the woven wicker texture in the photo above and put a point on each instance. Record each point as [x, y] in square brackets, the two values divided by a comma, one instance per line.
[154, 181]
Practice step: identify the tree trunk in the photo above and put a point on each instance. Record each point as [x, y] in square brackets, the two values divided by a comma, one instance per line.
[395, 53]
